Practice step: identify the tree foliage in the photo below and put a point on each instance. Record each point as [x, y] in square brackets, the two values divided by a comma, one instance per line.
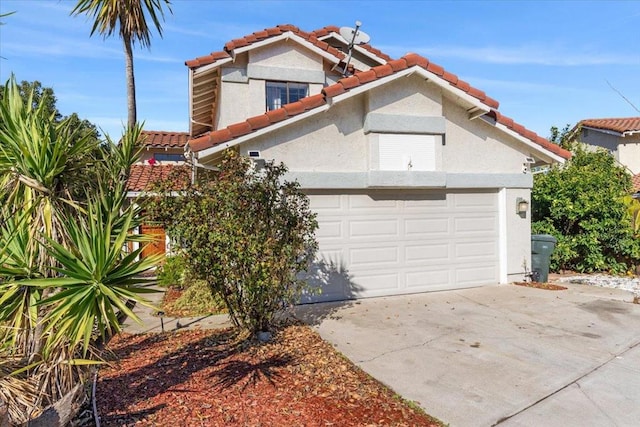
[129, 19]
[247, 233]
[582, 204]
[44, 97]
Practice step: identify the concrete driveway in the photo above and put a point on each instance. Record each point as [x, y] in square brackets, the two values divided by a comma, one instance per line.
[501, 355]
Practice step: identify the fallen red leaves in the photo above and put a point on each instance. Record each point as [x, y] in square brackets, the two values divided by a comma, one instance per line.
[214, 378]
[538, 285]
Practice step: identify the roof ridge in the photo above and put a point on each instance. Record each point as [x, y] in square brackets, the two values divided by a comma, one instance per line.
[258, 36]
[252, 124]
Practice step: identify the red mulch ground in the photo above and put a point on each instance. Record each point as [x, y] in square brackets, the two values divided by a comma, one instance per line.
[214, 378]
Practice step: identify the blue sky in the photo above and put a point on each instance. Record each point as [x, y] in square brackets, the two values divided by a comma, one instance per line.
[548, 63]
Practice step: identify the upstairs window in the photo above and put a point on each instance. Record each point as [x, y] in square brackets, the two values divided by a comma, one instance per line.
[281, 93]
[168, 157]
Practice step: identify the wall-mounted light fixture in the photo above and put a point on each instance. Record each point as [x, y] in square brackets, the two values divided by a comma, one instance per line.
[522, 206]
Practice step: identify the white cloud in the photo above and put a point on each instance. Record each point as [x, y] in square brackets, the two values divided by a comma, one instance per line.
[521, 55]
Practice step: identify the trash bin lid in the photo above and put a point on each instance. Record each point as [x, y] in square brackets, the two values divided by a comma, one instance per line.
[543, 238]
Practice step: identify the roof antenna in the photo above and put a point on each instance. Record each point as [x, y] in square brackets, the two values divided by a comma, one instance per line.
[353, 36]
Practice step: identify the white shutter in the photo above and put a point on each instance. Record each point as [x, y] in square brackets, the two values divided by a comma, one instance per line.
[407, 152]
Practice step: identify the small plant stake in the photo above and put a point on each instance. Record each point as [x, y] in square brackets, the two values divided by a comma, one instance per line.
[161, 315]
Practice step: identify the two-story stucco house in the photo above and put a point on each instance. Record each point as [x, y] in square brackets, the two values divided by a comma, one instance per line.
[419, 183]
[621, 136]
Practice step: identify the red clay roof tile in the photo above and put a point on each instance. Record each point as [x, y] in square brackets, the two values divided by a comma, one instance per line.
[294, 108]
[450, 77]
[277, 115]
[141, 177]
[398, 64]
[367, 76]
[222, 135]
[239, 129]
[463, 86]
[258, 122]
[383, 70]
[415, 59]
[312, 102]
[621, 124]
[477, 93]
[163, 139]
[349, 82]
[333, 90]
[435, 68]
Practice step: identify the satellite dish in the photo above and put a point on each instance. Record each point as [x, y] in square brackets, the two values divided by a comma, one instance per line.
[353, 36]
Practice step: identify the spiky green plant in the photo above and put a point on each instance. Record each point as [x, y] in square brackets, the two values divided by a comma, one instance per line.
[65, 276]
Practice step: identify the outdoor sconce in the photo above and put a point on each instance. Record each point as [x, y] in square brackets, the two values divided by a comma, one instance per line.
[521, 206]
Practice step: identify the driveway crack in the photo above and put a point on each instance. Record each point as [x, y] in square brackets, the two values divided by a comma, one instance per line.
[397, 350]
[615, 356]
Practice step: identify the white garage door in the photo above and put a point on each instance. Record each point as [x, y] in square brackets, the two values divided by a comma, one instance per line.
[387, 242]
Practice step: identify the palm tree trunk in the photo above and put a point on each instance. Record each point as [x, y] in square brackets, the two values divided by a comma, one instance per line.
[131, 83]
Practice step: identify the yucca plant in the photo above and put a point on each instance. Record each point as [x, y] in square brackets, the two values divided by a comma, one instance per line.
[65, 276]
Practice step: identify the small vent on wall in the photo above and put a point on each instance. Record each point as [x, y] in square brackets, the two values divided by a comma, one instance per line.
[254, 154]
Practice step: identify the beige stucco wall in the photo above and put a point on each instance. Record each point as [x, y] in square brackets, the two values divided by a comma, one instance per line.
[410, 95]
[628, 154]
[286, 54]
[474, 145]
[518, 235]
[332, 141]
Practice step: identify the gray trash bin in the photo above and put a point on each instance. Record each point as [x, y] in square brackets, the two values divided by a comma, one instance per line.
[542, 246]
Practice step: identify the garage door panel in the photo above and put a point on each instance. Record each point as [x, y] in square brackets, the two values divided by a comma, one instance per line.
[423, 227]
[425, 280]
[475, 225]
[475, 275]
[377, 284]
[390, 242]
[330, 230]
[426, 253]
[377, 256]
[475, 250]
[371, 229]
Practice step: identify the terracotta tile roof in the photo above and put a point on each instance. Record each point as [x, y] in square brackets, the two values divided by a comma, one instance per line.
[636, 182]
[142, 176]
[260, 36]
[521, 130]
[253, 124]
[622, 125]
[164, 139]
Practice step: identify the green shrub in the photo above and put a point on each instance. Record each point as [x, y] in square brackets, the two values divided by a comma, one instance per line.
[171, 273]
[582, 205]
[247, 233]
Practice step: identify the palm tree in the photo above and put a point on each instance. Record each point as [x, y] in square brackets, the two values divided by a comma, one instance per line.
[129, 18]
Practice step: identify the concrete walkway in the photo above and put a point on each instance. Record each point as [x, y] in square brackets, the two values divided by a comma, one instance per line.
[152, 322]
[502, 355]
